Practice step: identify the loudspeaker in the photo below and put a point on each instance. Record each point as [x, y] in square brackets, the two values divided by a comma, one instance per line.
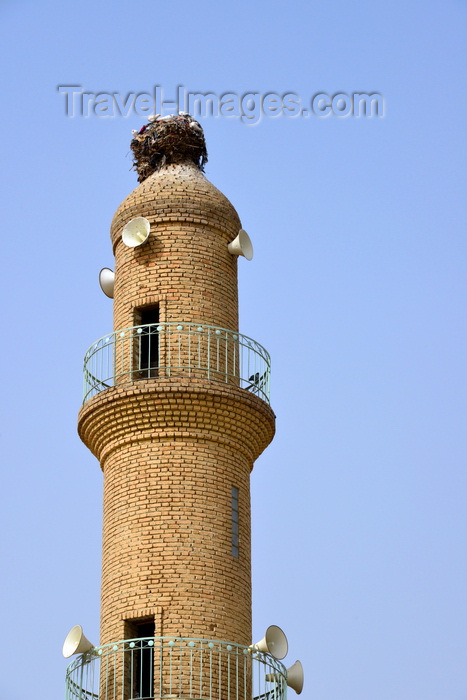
[136, 232]
[76, 642]
[106, 281]
[274, 642]
[294, 677]
[242, 245]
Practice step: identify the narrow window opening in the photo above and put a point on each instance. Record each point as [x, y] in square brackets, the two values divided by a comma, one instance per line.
[140, 666]
[148, 350]
[235, 522]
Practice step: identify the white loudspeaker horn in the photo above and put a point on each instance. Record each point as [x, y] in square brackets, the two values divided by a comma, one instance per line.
[76, 642]
[106, 281]
[136, 232]
[242, 245]
[274, 642]
[294, 677]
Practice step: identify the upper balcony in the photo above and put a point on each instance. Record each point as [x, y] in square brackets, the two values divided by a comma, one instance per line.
[162, 668]
[176, 350]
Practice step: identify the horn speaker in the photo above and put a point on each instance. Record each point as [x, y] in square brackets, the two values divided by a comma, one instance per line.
[294, 677]
[106, 281]
[274, 642]
[136, 232]
[76, 642]
[242, 245]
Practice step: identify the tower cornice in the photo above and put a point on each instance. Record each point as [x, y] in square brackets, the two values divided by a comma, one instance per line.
[176, 409]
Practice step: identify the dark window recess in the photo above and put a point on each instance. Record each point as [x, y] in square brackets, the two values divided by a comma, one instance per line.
[148, 350]
[235, 521]
[140, 673]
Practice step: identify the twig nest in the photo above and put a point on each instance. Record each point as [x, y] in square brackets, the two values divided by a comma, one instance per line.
[166, 140]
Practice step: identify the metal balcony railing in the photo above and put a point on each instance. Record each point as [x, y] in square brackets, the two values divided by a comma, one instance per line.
[176, 350]
[162, 668]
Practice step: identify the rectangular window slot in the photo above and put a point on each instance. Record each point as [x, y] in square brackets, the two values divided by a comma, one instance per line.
[235, 542]
[148, 343]
[139, 671]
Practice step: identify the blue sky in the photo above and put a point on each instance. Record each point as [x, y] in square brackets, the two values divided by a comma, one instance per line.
[357, 289]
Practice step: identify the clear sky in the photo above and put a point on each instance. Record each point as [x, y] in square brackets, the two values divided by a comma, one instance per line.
[357, 289]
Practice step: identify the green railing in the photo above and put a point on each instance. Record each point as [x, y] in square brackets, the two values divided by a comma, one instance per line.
[176, 350]
[163, 668]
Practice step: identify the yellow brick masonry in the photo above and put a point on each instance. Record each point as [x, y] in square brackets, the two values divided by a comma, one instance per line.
[185, 265]
[171, 449]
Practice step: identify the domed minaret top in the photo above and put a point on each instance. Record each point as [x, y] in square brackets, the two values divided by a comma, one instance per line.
[185, 265]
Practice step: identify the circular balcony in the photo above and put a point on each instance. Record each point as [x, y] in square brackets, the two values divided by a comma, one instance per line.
[161, 668]
[176, 350]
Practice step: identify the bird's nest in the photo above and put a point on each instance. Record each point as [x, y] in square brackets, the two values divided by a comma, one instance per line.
[166, 140]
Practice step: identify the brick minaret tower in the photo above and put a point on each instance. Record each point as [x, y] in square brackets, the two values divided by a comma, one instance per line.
[176, 410]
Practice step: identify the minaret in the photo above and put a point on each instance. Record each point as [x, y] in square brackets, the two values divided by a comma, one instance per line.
[176, 410]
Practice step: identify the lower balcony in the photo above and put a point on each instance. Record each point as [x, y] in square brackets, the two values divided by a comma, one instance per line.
[176, 350]
[160, 668]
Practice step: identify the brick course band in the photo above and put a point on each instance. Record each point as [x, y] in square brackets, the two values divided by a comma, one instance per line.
[165, 409]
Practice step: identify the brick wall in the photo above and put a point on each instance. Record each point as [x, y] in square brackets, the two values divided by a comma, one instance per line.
[185, 265]
[172, 449]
